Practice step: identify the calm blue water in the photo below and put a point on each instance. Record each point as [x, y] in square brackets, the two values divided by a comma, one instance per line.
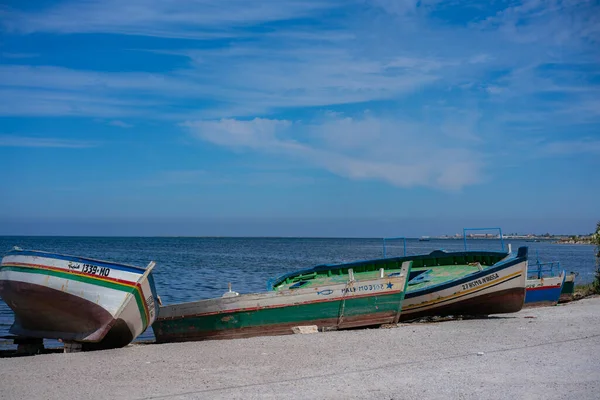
[196, 268]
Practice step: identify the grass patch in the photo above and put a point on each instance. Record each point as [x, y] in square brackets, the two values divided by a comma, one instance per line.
[586, 290]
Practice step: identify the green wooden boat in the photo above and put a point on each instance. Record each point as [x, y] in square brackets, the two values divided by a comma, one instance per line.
[345, 298]
[444, 283]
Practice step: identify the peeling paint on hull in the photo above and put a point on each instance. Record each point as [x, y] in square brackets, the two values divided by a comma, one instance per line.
[455, 283]
[56, 313]
[97, 303]
[505, 301]
[545, 291]
[337, 306]
[505, 293]
[567, 292]
[196, 331]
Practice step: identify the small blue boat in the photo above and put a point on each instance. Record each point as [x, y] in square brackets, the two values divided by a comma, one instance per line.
[543, 285]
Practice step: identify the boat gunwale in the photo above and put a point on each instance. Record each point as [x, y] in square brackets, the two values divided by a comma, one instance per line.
[258, 296]
[70, 257]
[507, 261]
[545, 290]
[562, 277]
[129, 288]
[385, 260]
[499, 266]
[268, 307]
[455, 296]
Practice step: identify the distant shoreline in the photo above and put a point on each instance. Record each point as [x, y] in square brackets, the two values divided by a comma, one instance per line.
[561, 239]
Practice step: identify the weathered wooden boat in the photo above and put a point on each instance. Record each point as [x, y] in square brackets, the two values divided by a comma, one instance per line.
[346, 298]
[567, 293]
[543, 286]
[88, 304]
[447, 283]
[466, 283]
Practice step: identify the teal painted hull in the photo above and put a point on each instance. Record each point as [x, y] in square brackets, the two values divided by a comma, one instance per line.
[350, 313]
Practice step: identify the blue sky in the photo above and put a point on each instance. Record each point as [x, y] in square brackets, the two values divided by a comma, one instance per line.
[300, 117]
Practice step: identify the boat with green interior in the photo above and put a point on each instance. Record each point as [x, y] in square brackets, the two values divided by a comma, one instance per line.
[443, 283]
[344, 298]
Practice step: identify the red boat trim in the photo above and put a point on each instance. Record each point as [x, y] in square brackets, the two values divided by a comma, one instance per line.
[542, 288]
[70, 271]
[449, 298]
[132, 285]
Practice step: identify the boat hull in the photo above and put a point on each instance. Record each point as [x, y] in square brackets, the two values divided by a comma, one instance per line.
[340, 306]
[445, 283]
[99, 304]
[567, 292]
[279, 321]
[53, 313]
[500, 302]
[544, 291]
[496, 290]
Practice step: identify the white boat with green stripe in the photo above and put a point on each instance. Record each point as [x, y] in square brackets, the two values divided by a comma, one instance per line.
[99, 304]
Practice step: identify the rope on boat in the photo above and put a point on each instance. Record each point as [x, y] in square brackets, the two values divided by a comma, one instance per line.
[343, 305]
[403, 270]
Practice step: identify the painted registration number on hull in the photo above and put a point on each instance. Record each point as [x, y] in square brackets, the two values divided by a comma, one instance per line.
[364, 288]
[479, 281]
[89, 269]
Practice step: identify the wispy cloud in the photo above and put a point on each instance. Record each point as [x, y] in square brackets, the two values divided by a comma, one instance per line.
[18, 56]
[178, 18]
[176, 177]
[246, 178]
[405, 8]
[441, 83]
[358, 59]
[571, 147]
[547, 21]
[120, 124]
[31, 141]
[250, 80]
[51, 102]
[393, 151]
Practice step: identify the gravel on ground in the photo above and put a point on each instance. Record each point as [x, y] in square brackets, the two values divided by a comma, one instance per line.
[540, 353]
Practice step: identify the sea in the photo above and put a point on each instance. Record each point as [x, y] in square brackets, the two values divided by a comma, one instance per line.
[194, 268]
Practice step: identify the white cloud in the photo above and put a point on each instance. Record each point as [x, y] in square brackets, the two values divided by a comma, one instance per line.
[364, 57]
[259, 133]
[120, 124]
[30, 141]
[177, 177]
[59, 78]
[388, 150]
[47, 102]
[523, 71]
[17, 56]
[257, 84]
[547, 21]
[175, 18]
[571, 147]
[203, 178]
[404, 8]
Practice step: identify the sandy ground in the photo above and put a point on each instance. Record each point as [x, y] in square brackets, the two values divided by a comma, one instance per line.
[543, 353]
